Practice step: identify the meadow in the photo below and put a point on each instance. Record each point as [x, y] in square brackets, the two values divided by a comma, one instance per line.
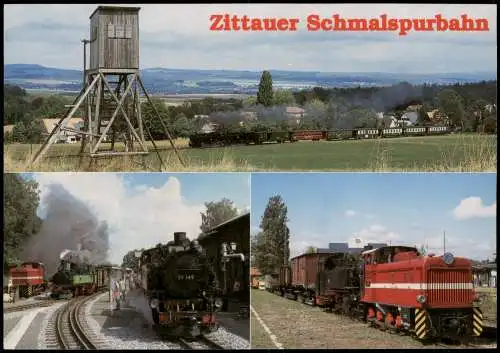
[452, 153]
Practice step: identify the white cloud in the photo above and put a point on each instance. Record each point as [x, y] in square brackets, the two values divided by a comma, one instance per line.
[375, 233]
[137, 219]
[300, 242]
[178, 35]
[472, 207]
[350, 213]
[467, 247]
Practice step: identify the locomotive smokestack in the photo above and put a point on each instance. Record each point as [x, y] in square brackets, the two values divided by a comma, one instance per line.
[179, 238]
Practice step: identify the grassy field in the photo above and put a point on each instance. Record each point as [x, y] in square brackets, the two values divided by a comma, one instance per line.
[454, 153]
[260, 338]
[297, 325]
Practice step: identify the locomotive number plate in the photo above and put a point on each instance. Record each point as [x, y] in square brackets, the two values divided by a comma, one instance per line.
[185, 277]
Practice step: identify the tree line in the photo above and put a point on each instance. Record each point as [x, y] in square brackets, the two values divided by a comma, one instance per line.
[216, 212]
[25, 111]
[21, 198]
[471, 107]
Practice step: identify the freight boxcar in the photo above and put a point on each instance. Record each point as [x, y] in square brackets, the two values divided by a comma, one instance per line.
[333, 135]
[310, 135]
[300, 280]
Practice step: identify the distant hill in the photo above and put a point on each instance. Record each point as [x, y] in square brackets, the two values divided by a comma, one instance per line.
[185, 81]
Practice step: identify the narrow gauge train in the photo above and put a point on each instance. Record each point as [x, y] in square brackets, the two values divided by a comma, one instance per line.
[180, 285]
[219, 138]
[76, 277]
[29, 277]
[391, 287]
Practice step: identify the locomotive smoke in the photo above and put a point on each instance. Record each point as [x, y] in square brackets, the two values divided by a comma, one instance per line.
[67, 222]
[340, 112]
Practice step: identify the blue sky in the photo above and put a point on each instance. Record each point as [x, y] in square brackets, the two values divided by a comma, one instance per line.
[178, 36]
[143, 209]
[398, 208]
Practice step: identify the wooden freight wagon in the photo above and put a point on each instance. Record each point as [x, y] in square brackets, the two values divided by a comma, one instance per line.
[300, 280]
[311, 135]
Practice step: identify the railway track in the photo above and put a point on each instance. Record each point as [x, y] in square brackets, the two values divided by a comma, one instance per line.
[33, 305]
[201, 342]
[68, 328]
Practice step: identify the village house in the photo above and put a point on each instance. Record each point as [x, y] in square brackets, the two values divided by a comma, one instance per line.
[409, 118]
[485, 275]
[74, 124]
[436, 116]
[390, 121]
[7, 129]
[295, 114]
[344, 247]
[204, 124]
[414, 107]
[490, 108]
[66, 136]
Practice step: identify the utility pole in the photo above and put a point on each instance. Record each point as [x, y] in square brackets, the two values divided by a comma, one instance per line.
[444, 242]
[85, 42]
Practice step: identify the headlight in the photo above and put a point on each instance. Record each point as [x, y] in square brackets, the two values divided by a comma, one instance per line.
[421, 299]
[448, 258]
[154, 303]
[218, 303]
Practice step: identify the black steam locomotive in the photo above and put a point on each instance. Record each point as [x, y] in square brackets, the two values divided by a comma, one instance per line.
[181, 288]
[76, 276]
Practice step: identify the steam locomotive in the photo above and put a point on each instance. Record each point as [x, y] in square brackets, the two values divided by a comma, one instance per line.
[76, 276]
[227, 138]
[391, 287]
[180, 285]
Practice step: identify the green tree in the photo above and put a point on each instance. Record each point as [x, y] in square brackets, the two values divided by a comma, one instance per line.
[19, 132]
[423, 118]
[129, 260]
[34, 131]
[273, 242]
[283, 97]
[20, 202]
[250, 102]
[265, 93]
[451, 104]
[182, 127]
[217, 213]
[311, 250]
[151, 119]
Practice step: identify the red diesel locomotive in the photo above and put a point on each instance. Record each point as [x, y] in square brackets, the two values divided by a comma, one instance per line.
[392, 287]
[432, 296]
[29, 277]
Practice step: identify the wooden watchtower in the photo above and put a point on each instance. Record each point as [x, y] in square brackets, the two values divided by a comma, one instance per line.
[110, 99]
